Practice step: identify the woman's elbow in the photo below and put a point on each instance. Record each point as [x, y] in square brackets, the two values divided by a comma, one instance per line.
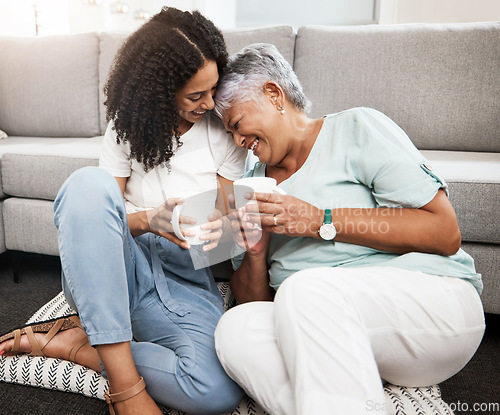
[449, 242]
[444, 229]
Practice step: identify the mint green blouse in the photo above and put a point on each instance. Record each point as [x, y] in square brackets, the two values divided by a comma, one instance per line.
[361, 159]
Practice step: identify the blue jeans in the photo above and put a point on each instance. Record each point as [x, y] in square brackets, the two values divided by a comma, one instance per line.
[145, 289]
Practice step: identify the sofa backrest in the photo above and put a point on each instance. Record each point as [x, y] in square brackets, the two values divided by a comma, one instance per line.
[283, 37]
[440, 83]
[48, 86]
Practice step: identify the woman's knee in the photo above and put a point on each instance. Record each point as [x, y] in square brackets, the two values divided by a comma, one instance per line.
[87, 181]
[228, 326]
[297, 282]
[307, 287]
[233, 337]
[314, 295]
[314, 284]
[86, 190]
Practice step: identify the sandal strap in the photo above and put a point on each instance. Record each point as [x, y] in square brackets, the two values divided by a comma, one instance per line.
[50, 327]
[112, 398]
[17, 341]
[36, 350]
[51, 333]
[76, 348]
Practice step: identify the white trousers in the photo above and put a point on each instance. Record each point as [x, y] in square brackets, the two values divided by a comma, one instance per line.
[332, 334]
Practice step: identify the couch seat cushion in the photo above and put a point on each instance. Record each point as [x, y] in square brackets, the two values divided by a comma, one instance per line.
[34, 167]
[2, 236]
[29, 226]
[474, 184]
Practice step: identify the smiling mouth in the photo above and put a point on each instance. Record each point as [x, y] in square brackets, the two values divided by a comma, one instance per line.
[253, 145]
[198, 114]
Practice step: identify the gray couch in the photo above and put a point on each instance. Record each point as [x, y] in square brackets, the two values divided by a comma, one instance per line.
[440, 83]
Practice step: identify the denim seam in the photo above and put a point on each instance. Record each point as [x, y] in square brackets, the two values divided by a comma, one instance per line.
[167, 313]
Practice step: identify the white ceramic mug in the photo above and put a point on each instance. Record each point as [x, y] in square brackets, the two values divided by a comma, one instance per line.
[250, 185]
[198, 207]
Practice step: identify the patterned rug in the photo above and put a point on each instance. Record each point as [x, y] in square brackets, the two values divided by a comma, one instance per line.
[70, 377]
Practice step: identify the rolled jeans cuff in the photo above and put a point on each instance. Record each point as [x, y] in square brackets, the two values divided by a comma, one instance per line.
[112, 337]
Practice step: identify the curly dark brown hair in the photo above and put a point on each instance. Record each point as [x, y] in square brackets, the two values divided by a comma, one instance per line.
[154, 62]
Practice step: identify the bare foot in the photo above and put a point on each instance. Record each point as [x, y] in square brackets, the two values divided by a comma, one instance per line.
[59, 347]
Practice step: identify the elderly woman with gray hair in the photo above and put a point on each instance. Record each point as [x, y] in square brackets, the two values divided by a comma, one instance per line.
[355, 276]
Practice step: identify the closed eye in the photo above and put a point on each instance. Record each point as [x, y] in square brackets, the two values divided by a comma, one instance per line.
[195, 98]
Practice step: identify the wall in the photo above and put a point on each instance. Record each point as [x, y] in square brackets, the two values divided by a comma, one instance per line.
[85, 18]
[17, 17]
[300, 13]
[76, 16]
[438, 11]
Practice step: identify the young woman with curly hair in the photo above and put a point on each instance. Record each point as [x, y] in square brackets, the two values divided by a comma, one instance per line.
[124, 270]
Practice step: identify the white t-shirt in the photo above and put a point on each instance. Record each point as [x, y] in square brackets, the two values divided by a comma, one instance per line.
[207, 150]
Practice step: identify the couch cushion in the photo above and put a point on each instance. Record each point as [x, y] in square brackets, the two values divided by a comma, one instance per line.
[2, 232]
[474, 184]
[487, 261]
[2, 194]
[29, 226]
[48, 86]
[476, 206]
[440, 83]
[283, 37]
[37, 167]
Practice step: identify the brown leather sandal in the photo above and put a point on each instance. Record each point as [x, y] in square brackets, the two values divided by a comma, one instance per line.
[51, 328]
[112, 398]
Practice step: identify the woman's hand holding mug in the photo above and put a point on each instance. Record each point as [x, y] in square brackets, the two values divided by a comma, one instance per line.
[160, 221]
[201, 228]
[247, 230]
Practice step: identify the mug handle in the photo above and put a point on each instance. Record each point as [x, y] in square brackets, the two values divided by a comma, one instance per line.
[176, 213]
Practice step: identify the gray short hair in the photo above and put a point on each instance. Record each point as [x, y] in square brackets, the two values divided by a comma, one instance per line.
[246, 73]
